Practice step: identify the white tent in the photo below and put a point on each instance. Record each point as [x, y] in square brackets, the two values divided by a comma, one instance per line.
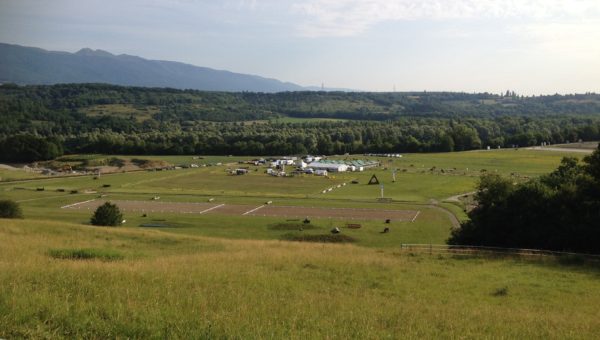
[331, 167]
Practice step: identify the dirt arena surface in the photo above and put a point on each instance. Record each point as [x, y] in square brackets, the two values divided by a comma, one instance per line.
[338, 213]
[232, 209]
[148, 206]
[252, 210]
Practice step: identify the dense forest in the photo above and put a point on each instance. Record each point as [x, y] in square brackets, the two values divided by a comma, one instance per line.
[40, 122]
[559, 211]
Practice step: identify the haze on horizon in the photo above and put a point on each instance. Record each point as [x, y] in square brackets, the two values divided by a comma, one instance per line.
[531, 47]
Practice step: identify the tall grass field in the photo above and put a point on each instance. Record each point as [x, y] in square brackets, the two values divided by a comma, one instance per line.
[162, 285]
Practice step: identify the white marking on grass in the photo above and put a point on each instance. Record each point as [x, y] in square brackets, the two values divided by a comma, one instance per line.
[49, 197]
[209, 209]
[75, 204]
[417, 214]
[253, 210]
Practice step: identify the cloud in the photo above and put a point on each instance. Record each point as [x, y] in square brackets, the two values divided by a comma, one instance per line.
[352, 17]
[568, 40]
[240, 5]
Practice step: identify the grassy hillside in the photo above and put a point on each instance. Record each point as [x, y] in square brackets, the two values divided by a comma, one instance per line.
[193, 287]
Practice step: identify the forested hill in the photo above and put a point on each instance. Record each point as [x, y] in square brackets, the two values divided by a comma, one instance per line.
[29, 65]
[135, 120]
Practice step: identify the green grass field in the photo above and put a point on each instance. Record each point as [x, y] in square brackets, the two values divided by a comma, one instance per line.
[217, 276]
[141, 113]
[582, 145]
[152, 284]
[15, 175]
[420, 181]
[306, 120]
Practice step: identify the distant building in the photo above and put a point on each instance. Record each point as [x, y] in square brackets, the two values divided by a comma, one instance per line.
[341, 166]
[321, 172]
[310, 158]
[280, 162]
[391, 155]
[329, 166]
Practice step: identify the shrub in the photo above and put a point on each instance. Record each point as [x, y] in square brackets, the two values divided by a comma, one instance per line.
[107, 215]
[10, 209]
[291, 226]
[85, 254]
[502, 291]
[326, 238]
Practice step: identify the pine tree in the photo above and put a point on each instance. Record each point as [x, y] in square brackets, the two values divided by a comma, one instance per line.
[107, 215]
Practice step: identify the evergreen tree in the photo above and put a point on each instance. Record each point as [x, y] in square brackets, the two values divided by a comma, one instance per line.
[107, 215]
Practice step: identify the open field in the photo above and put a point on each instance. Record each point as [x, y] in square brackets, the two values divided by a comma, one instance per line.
[210, 259]
[252, 210]
[423, 182]
[420, 177]
[287, 119]
[431, 225]
[140, 113]
[15, 175]
[151, 284]
[582, 145]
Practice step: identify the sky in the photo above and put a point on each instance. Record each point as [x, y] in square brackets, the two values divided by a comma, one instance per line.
[528, 46]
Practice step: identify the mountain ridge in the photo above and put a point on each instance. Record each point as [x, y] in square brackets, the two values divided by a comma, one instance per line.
[37, 66]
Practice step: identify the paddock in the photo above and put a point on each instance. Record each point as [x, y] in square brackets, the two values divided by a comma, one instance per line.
[251, 210]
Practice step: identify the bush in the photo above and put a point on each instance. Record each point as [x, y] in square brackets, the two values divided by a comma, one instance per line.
[291, 226]
[325, 238]
[85, 254]
[503, 291]
[10, 209]
[107, 215]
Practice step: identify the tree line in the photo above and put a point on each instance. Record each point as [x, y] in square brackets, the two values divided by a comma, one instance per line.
[559, 211]
[40, 122]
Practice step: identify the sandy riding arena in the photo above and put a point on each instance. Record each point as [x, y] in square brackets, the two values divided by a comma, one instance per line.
[252, 210]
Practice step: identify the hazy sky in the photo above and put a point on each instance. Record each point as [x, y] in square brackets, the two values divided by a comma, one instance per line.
[529, 46]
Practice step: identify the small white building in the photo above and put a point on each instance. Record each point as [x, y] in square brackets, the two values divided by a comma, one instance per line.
[310, 158]
[321, 172]
[281, 162]
[331, 167]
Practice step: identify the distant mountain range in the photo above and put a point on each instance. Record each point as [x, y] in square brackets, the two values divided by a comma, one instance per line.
[30, 66]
